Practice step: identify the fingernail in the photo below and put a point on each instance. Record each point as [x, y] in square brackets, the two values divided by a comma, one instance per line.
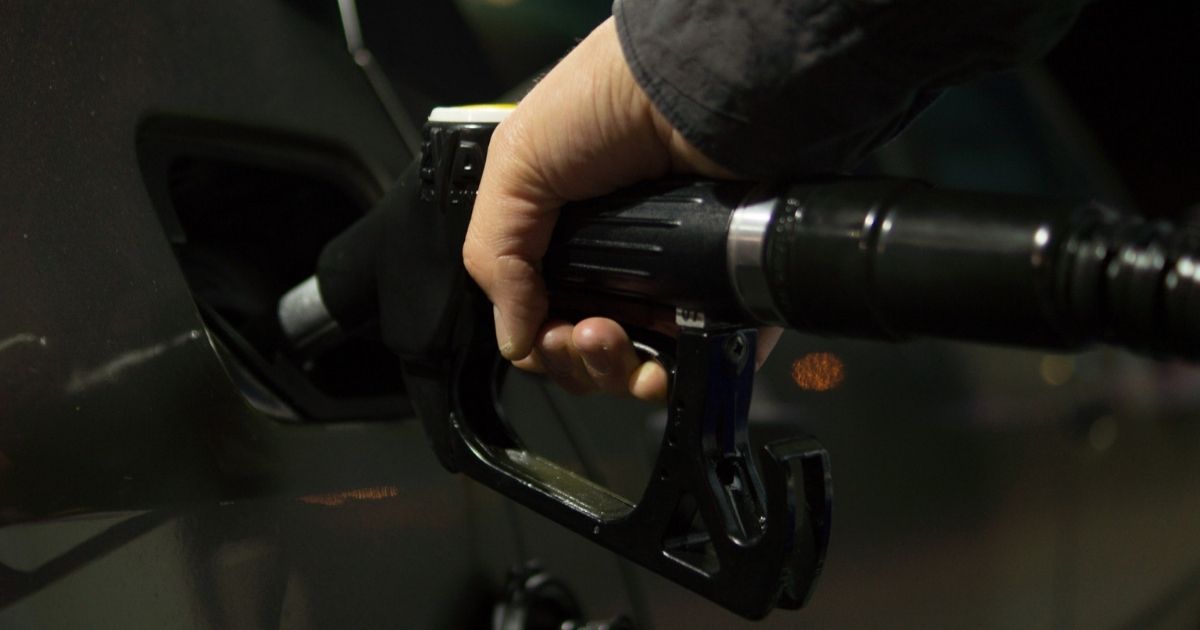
[503, 339]
[596, 360]
[642, 379]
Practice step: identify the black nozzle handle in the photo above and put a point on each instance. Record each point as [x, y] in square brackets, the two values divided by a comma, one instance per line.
[663, 242]
[890, 258]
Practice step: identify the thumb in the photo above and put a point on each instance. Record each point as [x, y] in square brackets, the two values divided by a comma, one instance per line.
[510, 228]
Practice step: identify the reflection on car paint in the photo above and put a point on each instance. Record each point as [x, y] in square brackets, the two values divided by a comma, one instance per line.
[112, 370]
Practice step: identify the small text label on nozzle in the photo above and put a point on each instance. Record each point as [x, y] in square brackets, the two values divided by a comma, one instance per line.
[688, 318]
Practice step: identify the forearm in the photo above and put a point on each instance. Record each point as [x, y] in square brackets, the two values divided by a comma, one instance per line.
[786, 87]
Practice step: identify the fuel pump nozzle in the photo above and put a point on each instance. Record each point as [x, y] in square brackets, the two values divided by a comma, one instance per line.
[879, 258]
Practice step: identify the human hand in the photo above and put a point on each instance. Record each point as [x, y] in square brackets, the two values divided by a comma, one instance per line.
[585, 130]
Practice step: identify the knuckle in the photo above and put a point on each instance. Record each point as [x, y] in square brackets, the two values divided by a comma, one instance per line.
[510, 132]
[472, 256]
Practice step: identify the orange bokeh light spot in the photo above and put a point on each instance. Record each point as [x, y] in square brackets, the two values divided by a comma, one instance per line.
[818, 371]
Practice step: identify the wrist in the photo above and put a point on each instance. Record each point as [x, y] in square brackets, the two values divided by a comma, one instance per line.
[683, 155]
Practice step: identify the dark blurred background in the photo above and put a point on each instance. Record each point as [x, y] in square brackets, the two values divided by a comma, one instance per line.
[1127, 70]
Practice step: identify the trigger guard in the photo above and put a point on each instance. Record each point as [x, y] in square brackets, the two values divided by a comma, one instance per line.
[706, 520]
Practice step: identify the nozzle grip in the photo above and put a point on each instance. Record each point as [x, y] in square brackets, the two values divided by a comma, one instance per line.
[663, 243]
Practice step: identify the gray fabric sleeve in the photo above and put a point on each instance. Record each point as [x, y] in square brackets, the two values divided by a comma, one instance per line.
[772, 88]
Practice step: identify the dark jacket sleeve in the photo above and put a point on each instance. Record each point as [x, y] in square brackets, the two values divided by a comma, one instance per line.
[772, 88]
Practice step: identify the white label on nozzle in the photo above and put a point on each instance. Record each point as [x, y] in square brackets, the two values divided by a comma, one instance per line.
[466, 114]
[687, 318]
